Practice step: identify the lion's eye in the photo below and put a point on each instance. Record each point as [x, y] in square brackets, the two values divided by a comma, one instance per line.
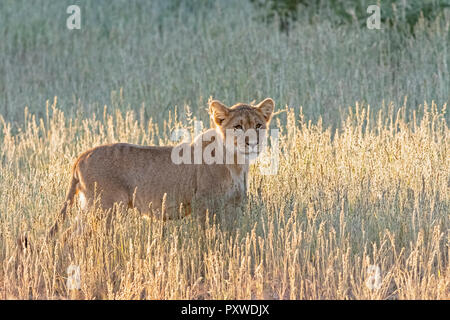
[258, 126]
[238, 127]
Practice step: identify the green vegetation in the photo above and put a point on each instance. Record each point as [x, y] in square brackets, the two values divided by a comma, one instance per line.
[401, 14]
[163, 54]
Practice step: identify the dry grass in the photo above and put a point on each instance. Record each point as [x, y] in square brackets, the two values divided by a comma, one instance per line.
[374, 193]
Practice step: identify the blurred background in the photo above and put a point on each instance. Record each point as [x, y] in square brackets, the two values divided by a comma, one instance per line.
[155, 55]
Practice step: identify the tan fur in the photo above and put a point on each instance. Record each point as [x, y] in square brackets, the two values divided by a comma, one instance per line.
[143, 176]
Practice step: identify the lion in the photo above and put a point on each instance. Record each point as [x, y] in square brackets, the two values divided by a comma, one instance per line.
[165, 181]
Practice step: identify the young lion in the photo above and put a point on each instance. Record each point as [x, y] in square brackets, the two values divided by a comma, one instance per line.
[166, 180]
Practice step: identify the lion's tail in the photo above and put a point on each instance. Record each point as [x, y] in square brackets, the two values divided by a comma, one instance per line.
[70, 197]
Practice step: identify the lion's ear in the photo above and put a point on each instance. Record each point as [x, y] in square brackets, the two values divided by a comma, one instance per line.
[218, 111]
[266, 108]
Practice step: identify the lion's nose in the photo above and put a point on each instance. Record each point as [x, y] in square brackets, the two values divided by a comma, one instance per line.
[250, 143]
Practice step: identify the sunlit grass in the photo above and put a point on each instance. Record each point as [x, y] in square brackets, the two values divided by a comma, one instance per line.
[375, 192]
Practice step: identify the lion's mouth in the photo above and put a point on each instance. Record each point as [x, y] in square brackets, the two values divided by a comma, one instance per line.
[250, 150]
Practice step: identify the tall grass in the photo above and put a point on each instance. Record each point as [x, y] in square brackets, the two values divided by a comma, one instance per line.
[163, 54]
[375, 192]
[357, 188]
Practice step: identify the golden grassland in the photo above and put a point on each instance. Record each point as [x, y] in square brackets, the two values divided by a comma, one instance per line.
[373, 193]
